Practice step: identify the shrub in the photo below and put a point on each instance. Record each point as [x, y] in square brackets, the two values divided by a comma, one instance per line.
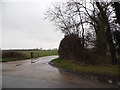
[70, 47]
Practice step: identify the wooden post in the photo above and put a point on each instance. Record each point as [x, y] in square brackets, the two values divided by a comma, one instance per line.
[31, 54]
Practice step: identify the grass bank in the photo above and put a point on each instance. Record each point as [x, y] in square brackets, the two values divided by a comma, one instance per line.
[108, 71]
[27, 55]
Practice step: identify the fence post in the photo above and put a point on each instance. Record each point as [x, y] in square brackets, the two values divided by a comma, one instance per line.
[31, 54]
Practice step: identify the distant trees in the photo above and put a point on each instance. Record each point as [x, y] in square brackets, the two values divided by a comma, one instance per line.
[92, 22]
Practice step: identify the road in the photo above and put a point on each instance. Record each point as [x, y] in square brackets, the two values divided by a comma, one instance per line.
[39, 74]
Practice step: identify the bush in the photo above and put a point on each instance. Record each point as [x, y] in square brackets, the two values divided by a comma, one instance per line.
[71, 49]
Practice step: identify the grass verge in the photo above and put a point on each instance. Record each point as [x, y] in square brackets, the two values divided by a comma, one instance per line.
[90, 69]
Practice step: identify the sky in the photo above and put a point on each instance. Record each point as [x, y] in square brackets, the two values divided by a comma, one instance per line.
[23, 25]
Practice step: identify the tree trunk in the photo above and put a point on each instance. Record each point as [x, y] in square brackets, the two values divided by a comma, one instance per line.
[108, 33]
[101, 40]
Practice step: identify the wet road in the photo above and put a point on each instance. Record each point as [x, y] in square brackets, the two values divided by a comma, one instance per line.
[24, 74]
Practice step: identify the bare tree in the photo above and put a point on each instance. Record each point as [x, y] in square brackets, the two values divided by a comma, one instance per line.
[63, 18]
[73, 16]
[103, 12]
[69, 18]
[100, 22]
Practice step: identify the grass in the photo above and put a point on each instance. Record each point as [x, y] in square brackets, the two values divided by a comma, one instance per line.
[40, 53]
[90, 69]
[27, 55]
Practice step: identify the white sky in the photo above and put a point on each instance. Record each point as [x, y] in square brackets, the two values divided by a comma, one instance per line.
[24, 26]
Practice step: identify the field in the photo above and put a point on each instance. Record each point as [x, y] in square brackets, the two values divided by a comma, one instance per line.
[27, 55]
[40, 53]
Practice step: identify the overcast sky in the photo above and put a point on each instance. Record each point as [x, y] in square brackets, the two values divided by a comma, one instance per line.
[24, 26]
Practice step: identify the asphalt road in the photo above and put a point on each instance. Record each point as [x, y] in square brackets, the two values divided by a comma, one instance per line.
[39, 74]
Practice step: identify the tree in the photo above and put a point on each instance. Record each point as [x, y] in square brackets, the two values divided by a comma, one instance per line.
[63, 18]
[103, 13]
[68, 17]
[73, 16]
[102, 28]
[116, 6]
[94, 19]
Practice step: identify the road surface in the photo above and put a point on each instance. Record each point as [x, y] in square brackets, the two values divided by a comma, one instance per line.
[37, 73]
